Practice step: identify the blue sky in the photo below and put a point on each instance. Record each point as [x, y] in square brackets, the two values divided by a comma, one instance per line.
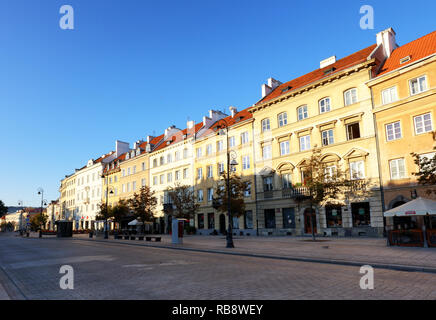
[132, 68]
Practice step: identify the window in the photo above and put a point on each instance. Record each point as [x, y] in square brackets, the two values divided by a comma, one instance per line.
[143, 182]
[284, 148]
[154, 164]
[235, 222]
[245, 162]
[247, 191]
[329, 172]
[418, 85]
[123, 173]
[199, 173]
[302, 113]
[288, 218]
[286, 181]
[353, 131]
[143, 166]
[393, 131]
[248, 219]
[232, 142]
[169, 158]
[169, 177]
[304, 143]
[209, 149]
[219, 146]
[360, 214]
[283, 119]
[185, 153]
[209, 194]
[267, 184]
[133, 185]
[200, 195]
[177, 155]
[177, 175]
[220, 168]
[398, 169]
[209, 170]
[161, 178]
[267, 152]
[244, 137]
[423, 123]
[211, 220]
[161, 161]
[389, 95]
[327, 137]
[128, 187]
[357, 170]
[185, 173]
[265, 125]
[200, 221]
[333, 216]
[154, 180]
[324, 105]
[198, 152]
[350, 96]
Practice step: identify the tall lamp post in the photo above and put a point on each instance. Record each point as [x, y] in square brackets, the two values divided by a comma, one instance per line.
[223, 125]
[106, 232]
[41, 192]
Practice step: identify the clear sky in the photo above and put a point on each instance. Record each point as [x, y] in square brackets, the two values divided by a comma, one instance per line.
[132, 68]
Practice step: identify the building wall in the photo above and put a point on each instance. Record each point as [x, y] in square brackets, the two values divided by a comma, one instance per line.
[133, 175]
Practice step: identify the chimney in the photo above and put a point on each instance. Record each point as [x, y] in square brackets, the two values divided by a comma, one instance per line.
[149, 138]
[136, 144]
[268, 88]
[326, 62]
[190, 124]
[387, 39]
[121, 147]
[233, 111]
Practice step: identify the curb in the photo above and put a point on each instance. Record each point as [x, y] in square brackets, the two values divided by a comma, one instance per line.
[375, 265]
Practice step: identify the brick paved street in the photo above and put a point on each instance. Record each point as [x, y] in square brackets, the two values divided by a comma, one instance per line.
[116, 271]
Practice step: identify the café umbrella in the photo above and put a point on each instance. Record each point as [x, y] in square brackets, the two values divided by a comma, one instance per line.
[417, 207]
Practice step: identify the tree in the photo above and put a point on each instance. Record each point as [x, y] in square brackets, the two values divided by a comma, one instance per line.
[324, 183]
[184, 204]
[426, 174]
[120, 210]
[104, 213]
[143, 204]
[38, 221]
[237, 189]
[3, 209]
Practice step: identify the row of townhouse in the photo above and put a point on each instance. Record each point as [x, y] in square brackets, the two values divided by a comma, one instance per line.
[367, 112]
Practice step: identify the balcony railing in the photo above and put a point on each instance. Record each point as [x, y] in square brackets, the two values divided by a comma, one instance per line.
[295, 193]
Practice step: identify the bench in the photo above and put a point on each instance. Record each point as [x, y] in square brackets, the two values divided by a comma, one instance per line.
[149, 238]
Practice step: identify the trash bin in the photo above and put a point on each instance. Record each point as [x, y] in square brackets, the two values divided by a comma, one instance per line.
[90, 234]
[65, 229]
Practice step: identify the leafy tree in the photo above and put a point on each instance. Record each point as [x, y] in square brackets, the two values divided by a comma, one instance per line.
[120, 210]
[426, 174]
[237, 189]
[3, 209]
[104, 213]
[184, 202]
[38, 221]
[322, 186]
[143, 204]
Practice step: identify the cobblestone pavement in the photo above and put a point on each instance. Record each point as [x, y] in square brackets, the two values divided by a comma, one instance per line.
[30, 269]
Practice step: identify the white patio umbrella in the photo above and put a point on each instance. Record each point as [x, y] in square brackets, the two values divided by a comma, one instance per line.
[135, 223]
[417, 207]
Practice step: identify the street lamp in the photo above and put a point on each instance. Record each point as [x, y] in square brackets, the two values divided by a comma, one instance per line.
[106, 232]
[41, 192]
[231, 162]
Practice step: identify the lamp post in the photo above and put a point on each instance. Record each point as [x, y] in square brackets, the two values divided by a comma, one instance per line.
[41, 192]
[223, 124]
[106, 232]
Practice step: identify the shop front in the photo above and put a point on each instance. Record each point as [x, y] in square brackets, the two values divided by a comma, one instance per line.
[412, 224]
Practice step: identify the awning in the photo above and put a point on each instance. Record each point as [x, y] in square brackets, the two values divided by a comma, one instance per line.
[417, 207]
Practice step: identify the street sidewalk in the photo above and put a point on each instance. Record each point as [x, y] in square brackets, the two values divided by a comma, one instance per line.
[343, 251]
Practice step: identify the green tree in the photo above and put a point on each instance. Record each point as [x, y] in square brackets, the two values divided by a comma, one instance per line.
[3, 209]
[426, 174]
[324, 184]
[143, 205]
[237, 189]
[184, 204]
[104, 213]
[120, 211]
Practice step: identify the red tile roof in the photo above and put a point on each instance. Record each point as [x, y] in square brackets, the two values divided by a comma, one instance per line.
[179, 136]
[239, 117]
[417, 49]
[342, 64]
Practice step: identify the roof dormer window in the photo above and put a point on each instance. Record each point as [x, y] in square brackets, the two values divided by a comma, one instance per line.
[405, 59]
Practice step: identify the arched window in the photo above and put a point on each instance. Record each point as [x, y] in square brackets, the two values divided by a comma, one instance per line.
[302, 113]
[282, 119]
[350, 96]
[324, 105]
[265, 125]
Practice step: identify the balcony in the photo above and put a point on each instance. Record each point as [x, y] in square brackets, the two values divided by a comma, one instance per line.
[300, 193]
